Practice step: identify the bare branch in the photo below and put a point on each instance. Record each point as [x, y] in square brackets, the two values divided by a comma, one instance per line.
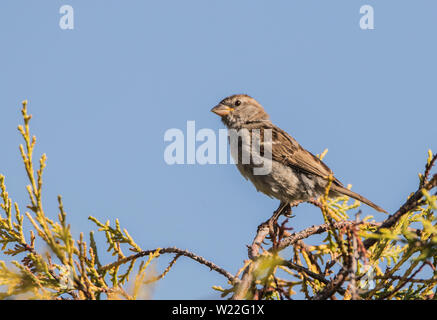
[297, 236]
[413, 202]
[180, 252]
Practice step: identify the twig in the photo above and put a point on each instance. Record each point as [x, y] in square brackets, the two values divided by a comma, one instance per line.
[401, 278]
[263, 230]
[413, 202]
[164, 273]
[355, 257]
[332, 286]
[178, 251]
[295, 237]
[403, 282]
[428, 168]
[297, 267]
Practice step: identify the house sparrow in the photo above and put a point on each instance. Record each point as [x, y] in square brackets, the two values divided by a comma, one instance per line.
[296, 175]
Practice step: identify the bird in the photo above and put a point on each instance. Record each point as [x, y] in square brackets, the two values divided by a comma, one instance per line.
[295, 174]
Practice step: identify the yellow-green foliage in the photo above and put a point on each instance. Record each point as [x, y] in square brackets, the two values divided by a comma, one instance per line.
[358, 258]
[69, 268]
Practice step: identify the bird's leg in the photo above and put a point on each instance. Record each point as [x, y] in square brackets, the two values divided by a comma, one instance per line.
[288, 211]
[284, 208]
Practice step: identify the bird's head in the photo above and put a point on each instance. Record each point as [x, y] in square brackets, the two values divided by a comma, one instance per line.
[239, 109]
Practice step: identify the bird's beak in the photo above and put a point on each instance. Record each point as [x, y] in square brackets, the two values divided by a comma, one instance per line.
[221, 110]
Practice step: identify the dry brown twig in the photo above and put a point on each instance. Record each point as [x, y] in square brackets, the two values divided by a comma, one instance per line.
[178, 252]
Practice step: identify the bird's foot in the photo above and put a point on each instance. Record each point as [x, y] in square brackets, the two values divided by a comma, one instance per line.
[288, 213]
[273, 229]
[283, 209]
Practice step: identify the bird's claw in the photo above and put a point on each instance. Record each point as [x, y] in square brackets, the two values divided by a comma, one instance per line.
[288, 213]
[273, 229]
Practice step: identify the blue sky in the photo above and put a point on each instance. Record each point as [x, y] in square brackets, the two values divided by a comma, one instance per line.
[104, 94]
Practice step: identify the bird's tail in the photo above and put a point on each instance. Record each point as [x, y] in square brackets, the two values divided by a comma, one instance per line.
[347, 192]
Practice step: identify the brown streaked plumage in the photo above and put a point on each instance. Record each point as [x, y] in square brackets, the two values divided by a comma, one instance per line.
[296, 175]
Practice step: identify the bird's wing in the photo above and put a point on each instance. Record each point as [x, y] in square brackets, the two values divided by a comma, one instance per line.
[289, 152]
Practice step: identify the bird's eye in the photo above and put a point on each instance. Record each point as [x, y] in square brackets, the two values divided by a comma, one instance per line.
[237, 103]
